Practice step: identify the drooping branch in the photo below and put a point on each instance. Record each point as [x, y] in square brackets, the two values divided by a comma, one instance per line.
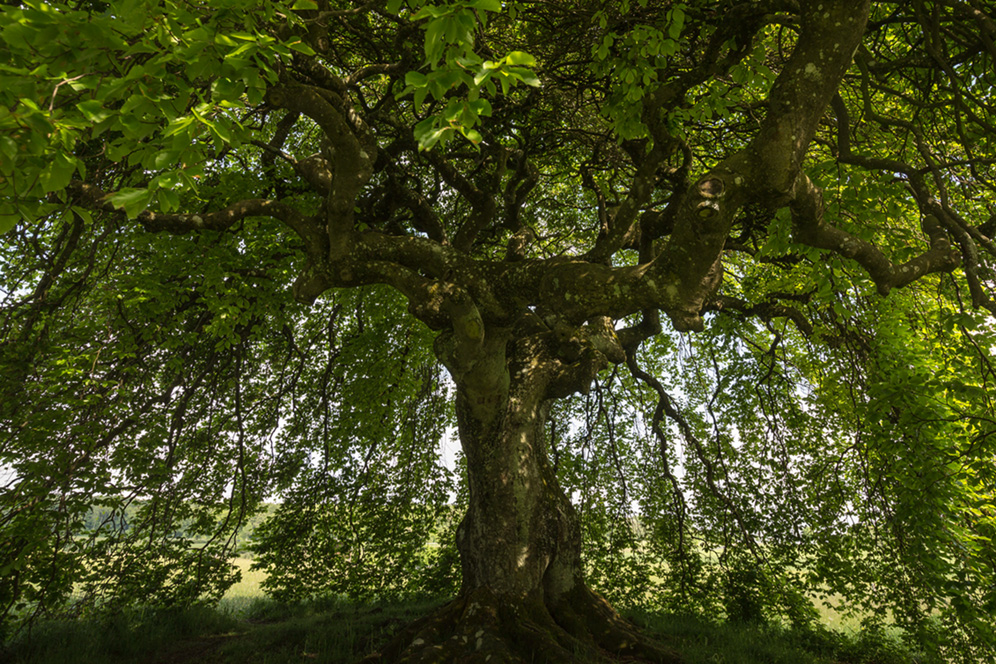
[969, 240]
[630, 338]
[939, 216]
[985, 23]
[809, 228]
[667, 406]
[274, 148]
[847, 156]
[374, 70]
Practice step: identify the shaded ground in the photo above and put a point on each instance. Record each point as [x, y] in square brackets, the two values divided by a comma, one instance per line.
[339, 632]
[203, 649]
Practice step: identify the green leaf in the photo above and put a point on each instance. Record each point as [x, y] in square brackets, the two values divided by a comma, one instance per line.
[520, 58]
[133, 201]
[58, 172]
[527, 77]
[677, 17]
[481, 107]
[427, 133]
[472, 135]
[486, 5]
[85, 214]
[179, 125]
[93, 111]
[419, 96]
[301, 47]
[8, 147]
[433, 11]
[415, 79]
[434, 40]
[169, 200]
[423, 128]
[482, 77]
[222, 131]
[8, 221]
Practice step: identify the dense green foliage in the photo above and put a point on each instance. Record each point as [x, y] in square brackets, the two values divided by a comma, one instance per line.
[820, 437]
[228, 400]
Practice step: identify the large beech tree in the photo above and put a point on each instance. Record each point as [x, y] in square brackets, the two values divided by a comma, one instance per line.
[549, 186]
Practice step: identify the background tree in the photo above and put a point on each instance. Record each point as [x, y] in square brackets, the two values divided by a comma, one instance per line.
[539, 183]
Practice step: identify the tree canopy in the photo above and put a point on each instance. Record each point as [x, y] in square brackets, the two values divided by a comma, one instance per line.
[705, 290]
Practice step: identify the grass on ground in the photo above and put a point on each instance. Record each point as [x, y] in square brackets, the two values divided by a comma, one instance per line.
[340, 632]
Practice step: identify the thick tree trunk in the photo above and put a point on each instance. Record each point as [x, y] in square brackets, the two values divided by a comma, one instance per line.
[520, 534]
[523, 596]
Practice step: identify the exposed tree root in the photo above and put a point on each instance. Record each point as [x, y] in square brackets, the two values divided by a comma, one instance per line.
[586, 612]
[479, 627]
